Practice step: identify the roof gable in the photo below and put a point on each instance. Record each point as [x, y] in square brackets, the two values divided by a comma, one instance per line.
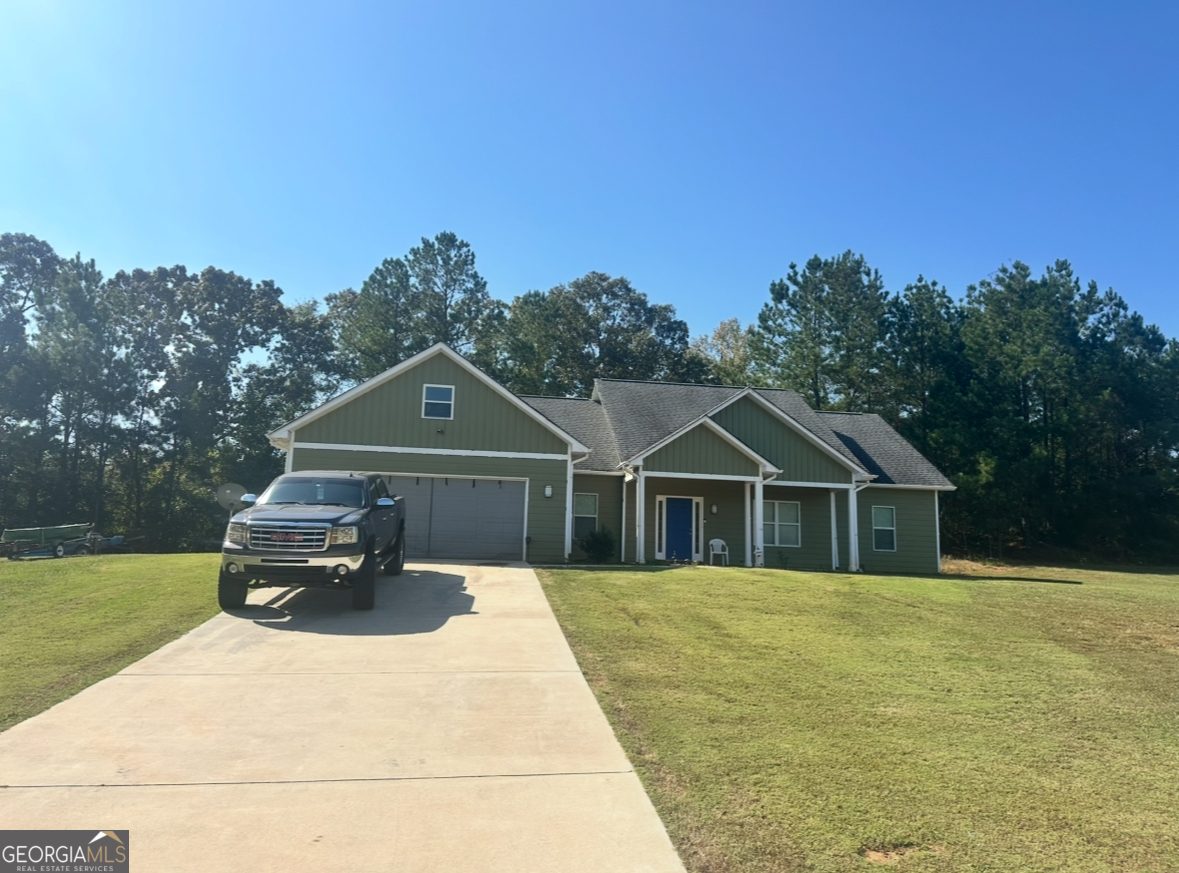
[382, 399]
[797, 454]
[704, 447]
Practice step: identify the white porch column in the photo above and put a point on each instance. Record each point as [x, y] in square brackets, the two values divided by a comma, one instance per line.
[622, 532]
[937, 526]
[640, 519]
[759, 531]
[748, 528]
[569, 509]
[834, 534]
[853, 531]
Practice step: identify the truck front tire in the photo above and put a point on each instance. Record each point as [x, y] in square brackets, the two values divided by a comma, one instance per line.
[364, 586]
[231, 591]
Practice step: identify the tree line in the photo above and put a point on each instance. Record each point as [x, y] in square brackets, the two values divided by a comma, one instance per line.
[124, 401]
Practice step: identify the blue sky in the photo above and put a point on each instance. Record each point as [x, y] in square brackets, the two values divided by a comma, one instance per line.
[695, 148]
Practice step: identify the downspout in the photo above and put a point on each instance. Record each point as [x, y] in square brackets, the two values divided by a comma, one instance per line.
[853, 523]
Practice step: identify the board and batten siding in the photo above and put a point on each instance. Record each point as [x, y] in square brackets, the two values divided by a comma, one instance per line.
[701, 450]
[776, 441]
[916, 539]
[391, 415]
[546, 515]
[815, 515]
[609, 491]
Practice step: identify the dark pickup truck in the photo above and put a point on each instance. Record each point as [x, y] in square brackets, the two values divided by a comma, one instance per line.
[314, 529]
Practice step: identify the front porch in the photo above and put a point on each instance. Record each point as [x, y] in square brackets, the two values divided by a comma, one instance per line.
[792, 526]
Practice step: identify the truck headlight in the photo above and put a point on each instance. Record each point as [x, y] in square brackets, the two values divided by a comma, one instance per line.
[343, 536]
[236, 533]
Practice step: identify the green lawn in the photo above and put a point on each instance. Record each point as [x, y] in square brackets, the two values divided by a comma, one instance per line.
[1009, 720]
[68, 623]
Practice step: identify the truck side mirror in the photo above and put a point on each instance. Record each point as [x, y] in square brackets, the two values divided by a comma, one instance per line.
[249, 499]
[385, 501]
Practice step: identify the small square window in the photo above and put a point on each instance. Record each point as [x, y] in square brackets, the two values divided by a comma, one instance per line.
[438, 401]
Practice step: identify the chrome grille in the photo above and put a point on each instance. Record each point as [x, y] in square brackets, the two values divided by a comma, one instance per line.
[289, 536]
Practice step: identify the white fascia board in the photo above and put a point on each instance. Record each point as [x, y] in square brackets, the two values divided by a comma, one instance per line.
[599, 472]
[720, 477]
[351, 394]
[827, 485]
[804, 431]
[914, 487]
[765, 465]
[417, 450]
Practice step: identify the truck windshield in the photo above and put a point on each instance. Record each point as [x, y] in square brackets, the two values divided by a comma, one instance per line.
[316, 492]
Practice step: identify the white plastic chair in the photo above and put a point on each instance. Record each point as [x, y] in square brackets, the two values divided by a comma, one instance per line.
[718, 547]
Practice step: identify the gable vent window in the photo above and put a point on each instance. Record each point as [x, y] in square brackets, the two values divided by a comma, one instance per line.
[438, 401]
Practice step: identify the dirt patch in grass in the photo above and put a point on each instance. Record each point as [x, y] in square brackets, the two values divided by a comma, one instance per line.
[894, 854]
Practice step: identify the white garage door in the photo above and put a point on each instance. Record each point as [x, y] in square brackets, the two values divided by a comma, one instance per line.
[471, 519]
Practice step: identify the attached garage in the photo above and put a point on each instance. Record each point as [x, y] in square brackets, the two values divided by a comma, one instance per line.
[463, 518]
[486, 477]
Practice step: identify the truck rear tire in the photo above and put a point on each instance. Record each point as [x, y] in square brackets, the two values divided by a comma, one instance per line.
[396, 564]
[231, 591]
[364, 586]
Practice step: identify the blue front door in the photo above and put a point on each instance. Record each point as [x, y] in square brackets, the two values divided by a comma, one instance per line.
[679, 529]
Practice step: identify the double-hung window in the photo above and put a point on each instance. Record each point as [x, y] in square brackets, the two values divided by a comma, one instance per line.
[782, 523]
[438, 401]
[585, 515]
[884, 528]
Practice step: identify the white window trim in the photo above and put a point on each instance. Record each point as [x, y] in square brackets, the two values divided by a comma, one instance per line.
[429, 385]
[661, 525]
[779, 524]
[876, 528]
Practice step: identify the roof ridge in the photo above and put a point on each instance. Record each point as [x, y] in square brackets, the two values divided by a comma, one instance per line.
[554, 397]
[664, 382]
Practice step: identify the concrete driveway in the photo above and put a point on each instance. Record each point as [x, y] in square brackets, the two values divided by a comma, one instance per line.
[448, 730]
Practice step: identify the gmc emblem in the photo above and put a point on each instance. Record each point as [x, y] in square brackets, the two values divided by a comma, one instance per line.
[286, 537]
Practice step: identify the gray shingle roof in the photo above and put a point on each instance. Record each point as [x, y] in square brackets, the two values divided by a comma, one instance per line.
[643, 413]
[585, 420]
[883, 451]
[625, 418]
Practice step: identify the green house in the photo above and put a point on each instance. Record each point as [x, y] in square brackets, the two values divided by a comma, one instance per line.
[676, 472]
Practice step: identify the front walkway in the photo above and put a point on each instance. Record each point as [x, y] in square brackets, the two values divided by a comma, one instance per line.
[447, 730]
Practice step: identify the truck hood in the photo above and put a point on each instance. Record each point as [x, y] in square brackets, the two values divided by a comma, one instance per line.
[300, 512]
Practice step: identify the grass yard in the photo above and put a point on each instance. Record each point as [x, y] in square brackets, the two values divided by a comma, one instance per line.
[988, 720]
[68, 623]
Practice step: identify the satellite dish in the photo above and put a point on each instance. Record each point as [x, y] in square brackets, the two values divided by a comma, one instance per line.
[229, 496]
